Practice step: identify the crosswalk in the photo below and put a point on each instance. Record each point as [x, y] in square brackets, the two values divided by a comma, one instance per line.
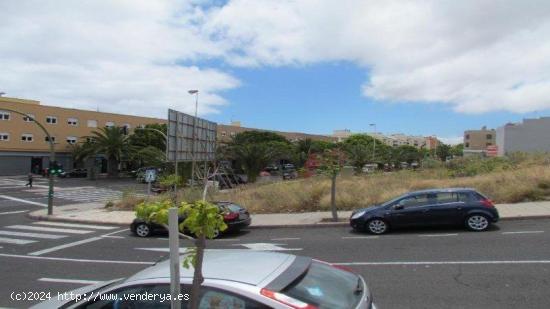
[23, 234]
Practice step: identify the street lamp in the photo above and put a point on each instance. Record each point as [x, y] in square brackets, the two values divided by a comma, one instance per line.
[373, 141]
[196, 93]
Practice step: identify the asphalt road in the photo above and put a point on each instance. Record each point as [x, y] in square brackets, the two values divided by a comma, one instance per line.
[506, 267]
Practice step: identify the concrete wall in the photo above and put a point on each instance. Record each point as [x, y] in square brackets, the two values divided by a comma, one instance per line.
[19, 163]
[533, 135]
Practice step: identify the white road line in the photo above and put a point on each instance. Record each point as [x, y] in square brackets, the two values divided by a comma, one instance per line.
[86, 282]
[16, 241]
[22, 200]
[13, 212]
[74, 260]
[32, 235]
[48, 229]
[286, 238]
[72, 244]
[225, 239]
[115, 232]
[97, 227]
[443, 263]
[522, 232]
[437, 235]
[109, 236]
[360, 237]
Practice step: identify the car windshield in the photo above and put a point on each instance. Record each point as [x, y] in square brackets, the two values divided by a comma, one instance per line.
[325, 286]
[393, 200]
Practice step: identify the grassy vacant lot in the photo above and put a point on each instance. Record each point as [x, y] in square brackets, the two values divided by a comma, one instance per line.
[515, 179]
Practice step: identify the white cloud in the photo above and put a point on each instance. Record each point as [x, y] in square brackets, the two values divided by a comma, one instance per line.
[118, 56]
[453, 140]
[474, 55]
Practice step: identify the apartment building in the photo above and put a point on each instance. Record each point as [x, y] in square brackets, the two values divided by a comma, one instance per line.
[395, 140]
[24, 147]
[532, 135]
[477, 141]
[226, 132]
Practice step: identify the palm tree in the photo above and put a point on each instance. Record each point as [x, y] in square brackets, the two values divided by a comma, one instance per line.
[114, 144]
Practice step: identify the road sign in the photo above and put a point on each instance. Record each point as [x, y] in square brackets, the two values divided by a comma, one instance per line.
[150, 175]
[184, 147]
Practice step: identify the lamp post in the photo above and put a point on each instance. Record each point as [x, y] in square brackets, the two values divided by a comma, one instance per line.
[373, 141]
[196, 93]
[52, 157]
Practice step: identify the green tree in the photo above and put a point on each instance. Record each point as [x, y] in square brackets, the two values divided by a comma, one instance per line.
[147, 137]
[359, 155]
[457, 150]
[79, 152]
[359, 146]
[332, 162]
[148, 156]
[113, 143]
[443, 151]
[405, 153]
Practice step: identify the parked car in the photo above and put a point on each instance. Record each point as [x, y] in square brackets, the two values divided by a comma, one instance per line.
[453, 206]
[235, 217]
[234, 279]
[77, 173]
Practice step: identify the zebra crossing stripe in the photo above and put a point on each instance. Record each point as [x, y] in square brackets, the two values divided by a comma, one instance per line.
[97, 227]
[32, 235]
[16, 241]
[48, 229]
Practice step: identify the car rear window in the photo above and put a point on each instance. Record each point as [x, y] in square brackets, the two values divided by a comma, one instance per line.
[325, 286]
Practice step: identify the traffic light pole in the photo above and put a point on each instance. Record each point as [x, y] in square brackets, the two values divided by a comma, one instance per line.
[52, 157]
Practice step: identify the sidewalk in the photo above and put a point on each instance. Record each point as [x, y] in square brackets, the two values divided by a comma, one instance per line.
[97, 214]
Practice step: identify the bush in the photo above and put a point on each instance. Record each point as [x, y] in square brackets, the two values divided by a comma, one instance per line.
[472, 166]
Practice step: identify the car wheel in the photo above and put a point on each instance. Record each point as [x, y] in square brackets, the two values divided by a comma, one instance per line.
[216, 234]
[143, 230]
[377, 226]
[477, 222]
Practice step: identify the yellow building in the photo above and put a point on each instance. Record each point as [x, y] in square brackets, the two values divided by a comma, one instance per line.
[24, 146]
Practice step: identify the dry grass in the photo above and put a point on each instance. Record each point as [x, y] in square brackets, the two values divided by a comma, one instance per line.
[522, 183]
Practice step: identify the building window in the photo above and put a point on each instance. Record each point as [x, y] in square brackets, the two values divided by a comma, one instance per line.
[72, 122]
[489, 144]
[28, 118]
[467, 136]
[489, 136]
[51, 119]
[71, 140]
[224, 133]
[4, 137]
[26, 137]
[92, 123]
[47, 140]
[109, 124]
[467, 145]
[4, 115]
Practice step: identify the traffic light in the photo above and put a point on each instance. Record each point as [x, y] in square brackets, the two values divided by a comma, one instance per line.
[55, 168]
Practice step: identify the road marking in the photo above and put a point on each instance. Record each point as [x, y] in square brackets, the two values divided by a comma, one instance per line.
[523, 232]
[13, 212]
[74, 260]
[267, 247]
[442, 263]
[72, 244]
[115, 232]
[437, 235]
[22, 200]
[97, 227]
[182, 250]
[360, 237]
[34, 235]
[109, 236]
[86, 282]
[286, 238]
[48, 229]
[16, 241]
[227, 239]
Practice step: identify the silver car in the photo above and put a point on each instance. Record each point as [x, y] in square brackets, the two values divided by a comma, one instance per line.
[233, 279]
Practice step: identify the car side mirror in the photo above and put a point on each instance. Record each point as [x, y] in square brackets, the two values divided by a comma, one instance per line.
[397, 207]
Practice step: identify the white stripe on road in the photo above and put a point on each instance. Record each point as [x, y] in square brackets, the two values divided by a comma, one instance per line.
[74, 260]
[437, 235]
[523, 232]
[72, 244]
[13, 212]
[286, 238]
[224, 239]
[108, 236]
[16, 241]
[360, 237]
[442, 263]
[48, 229]
[33, 235]
[97, 227]
[90, 282]
[22, 200]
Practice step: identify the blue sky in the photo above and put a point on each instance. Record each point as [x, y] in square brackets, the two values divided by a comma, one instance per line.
[418, 67]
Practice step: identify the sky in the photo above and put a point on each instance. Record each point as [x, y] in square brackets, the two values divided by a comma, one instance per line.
[414, 67]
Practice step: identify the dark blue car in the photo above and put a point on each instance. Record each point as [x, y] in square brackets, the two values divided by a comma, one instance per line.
[452, 206]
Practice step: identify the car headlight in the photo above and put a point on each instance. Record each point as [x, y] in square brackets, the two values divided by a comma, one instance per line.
[358, 214]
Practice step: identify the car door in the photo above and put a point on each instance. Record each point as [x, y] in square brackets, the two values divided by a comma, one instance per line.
[445, 209]
[412, 210]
